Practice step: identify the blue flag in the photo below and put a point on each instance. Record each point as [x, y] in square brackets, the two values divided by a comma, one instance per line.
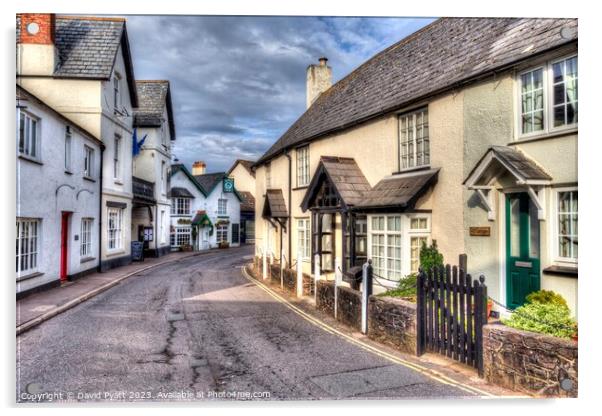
[137, 145]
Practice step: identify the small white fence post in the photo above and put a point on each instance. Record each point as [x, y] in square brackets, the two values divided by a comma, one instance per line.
[264, 265]
[316, 275]
[282, 260]
[299, 275]
[337, 279]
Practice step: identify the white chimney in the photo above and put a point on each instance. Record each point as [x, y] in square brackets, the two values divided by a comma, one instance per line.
[37, 54]
[319, 79]
[198, 168]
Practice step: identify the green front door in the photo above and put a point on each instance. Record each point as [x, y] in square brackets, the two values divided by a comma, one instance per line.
[522, 249]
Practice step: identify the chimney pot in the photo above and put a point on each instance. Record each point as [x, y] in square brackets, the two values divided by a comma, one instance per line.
[198, 168]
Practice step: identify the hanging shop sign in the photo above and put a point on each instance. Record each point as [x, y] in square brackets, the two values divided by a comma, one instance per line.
[228, 184]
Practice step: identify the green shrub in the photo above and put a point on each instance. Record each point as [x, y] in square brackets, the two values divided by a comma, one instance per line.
[546, 318]
[430, 256]
[547, 297]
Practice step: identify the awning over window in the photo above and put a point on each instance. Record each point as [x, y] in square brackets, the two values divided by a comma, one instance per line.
[399, 191]
[337, 183]
[201, 219]
[178, 192]
[274, 207]
[501, 161]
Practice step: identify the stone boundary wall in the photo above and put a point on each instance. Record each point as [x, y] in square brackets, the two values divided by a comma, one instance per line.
[392, 321]
[325, 297]
[529, 362]
[289, 277]
[349, 307]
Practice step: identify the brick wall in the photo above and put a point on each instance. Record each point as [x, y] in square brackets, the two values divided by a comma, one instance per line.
[349, 307]
[529, 362]
[325, 296]
[45, 35]
[392, 321]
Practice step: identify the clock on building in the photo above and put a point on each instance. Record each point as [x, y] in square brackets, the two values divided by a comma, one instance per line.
[228, 185]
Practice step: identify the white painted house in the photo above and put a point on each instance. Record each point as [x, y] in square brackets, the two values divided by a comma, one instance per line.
[81, 67]
[58, 197]
[205, 208]
[154, 123]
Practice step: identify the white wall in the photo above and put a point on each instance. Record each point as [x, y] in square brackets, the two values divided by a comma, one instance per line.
[39, 196]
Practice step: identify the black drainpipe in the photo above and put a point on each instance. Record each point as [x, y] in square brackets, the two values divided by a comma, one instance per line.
[102, 151]
[290, 207]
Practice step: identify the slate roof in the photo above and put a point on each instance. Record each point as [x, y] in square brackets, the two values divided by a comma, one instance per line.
[346, 177]
[87, 48]
[210, 180]
[274, 206]
[178, 192]
[511, 159]
[399, 191]
[153, 97]
[248, 201]
[440, 56]
[247, 164]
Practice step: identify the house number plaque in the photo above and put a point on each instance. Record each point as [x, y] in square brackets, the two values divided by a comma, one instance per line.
[480, 231]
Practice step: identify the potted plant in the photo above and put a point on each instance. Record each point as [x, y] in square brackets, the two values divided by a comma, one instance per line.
[223, 244]
[186, 247]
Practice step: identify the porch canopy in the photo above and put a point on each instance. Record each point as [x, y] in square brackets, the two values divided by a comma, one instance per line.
[201, 219]
[274, 207]
[502, 161]
[340, 187]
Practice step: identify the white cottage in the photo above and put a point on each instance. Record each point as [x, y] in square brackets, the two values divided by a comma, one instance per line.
[205, 208]
[58, 197]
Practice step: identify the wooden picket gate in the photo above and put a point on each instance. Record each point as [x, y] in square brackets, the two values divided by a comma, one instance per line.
[452, 310]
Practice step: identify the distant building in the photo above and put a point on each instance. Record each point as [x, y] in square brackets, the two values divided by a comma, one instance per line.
[155, 126]
[58, 197]
[205, 208]
[244, 180]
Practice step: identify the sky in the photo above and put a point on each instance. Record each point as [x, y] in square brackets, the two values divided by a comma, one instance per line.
[238, 82]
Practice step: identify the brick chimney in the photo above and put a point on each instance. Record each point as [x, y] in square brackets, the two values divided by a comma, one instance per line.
[319, 79]
[198, 168]
[37, 54]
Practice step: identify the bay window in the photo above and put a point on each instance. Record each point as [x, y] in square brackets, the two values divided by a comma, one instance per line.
[548, 97]
[181, 236]
[27, 245]
[414, 147]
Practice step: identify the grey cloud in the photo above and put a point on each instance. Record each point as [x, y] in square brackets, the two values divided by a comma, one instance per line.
[239, 82]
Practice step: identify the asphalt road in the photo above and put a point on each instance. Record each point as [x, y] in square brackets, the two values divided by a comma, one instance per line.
[198, 330]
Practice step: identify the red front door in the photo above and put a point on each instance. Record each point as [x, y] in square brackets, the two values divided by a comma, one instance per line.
[64, 244]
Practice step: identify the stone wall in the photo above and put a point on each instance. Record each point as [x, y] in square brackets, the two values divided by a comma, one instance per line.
[349, 307]
[529, 362]
[392, 321]
[325, 297]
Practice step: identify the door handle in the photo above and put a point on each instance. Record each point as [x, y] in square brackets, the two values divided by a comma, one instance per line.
[526, 264]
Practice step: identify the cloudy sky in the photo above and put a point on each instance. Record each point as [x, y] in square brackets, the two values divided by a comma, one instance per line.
[239, 82]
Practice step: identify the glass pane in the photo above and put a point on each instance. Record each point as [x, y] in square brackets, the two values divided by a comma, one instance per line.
[527, 124]
[538, 79]
[558, 69]
[525, 80]
[538, 120]
[559, 118]
[559, 94]
[515, 227]
[533, 231]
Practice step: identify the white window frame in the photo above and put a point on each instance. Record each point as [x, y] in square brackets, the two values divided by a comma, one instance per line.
[304, 238]
[32, 253]
[568, 261]
[268, 175]
[181, 207]
[68, 148]
[385, 272]
[117, 150]
[548, 97]
[117, 93]
[182, 231]
[425, 139]
[31, 146]
[88, 162]
[115, 234]
[222, 206]
[223, 230]
[163, 178]
[303, 166]
[85, 245]
[162, 228]
[417, 233]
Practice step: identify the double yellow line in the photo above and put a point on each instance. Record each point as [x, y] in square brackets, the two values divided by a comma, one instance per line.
[432, 374]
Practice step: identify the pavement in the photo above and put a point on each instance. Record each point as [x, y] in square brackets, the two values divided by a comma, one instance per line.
[197, 329]
[40, 306]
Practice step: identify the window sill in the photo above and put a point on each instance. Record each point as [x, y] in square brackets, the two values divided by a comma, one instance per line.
[87, 178]
[29, 276]
[31, 159]
[115, 252]
[414, 169]
[117, 181]
[87, 259]
[544, 136]
[68, 172]
[299, 188]
[564, 271]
